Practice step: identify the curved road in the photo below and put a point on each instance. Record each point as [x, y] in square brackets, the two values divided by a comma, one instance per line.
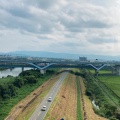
[38, 114]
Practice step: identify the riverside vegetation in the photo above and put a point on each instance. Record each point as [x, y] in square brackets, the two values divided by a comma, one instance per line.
[107, 106]
[95, 92]
[14, 89]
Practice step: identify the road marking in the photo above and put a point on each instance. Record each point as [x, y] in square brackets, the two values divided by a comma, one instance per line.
[53, 93]
[39, 113]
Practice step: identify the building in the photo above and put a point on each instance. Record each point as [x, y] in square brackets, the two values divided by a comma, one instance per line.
[83, 59]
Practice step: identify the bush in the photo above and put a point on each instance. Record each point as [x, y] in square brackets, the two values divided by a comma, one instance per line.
[18, 82]
[31, 79]
[7, 91]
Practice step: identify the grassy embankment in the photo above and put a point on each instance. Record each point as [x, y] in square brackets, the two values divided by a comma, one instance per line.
[79, 107]
[65, 102]
[97, 92]
[14, 89]
[86, 105]
[79, 112]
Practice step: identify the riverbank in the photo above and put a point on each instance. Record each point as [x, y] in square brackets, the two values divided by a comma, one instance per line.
[23, 85]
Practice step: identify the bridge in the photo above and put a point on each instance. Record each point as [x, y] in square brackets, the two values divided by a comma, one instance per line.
[43, 65]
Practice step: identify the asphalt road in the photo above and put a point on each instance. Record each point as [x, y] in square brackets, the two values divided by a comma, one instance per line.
[38, 114]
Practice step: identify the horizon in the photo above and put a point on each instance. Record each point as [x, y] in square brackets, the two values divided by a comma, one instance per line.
[47, 54]
[57, 52]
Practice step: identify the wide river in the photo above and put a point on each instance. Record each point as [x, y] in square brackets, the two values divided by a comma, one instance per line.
[12, 72]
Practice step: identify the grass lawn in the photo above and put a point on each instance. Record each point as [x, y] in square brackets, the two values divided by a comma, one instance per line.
[112, 82]
[101, 71]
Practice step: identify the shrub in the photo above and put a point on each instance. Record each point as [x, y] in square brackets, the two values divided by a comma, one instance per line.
[18, 82]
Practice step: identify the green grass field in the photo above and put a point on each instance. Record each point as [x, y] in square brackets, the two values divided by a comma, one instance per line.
[101, 71]
[112, 82]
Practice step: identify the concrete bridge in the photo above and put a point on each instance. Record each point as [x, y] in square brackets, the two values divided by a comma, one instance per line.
[43, 65]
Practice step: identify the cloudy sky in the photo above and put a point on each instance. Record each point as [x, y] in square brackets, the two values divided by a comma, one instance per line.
[67, 26]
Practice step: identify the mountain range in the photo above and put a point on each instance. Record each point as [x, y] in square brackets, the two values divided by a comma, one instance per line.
[61, 55]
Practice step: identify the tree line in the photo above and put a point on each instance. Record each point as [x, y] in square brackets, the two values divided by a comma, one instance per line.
[29, 77]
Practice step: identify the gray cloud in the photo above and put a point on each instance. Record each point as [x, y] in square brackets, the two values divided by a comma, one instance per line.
[24, 21]
[102, 40]
[79, 26]
[20, 12]
[46, 3]
[102, 2]
[62, 24]
[72, 44]
[72, 21]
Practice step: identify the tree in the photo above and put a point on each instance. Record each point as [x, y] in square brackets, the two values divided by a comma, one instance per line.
[31, 79]
[18, 82]
[12, 89]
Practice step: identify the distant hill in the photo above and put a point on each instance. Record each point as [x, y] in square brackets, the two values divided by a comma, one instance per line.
[61, 55]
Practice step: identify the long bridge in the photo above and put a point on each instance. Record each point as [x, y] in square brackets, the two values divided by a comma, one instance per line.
[43, 65]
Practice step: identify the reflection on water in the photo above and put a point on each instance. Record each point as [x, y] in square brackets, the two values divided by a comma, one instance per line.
[12, 72]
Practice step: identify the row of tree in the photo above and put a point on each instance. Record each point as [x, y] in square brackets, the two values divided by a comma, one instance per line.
[8, 90]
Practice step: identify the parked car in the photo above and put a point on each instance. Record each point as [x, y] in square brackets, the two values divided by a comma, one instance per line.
[49, 99]
[43, 108]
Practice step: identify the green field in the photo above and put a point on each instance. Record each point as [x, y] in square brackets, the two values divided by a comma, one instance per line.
[102, 71]
[112, 82]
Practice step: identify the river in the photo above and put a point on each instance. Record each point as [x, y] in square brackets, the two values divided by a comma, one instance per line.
[12, 72]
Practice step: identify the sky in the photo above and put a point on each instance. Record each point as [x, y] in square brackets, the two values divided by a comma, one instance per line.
[64, 26]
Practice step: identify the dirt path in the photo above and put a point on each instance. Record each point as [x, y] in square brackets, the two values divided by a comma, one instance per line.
[87, 109]
[64, 105]
[29, 103]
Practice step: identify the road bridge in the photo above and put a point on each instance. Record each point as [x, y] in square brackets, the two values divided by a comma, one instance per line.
[43, 65]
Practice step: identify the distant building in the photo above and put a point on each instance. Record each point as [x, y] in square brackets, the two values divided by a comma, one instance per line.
[83, 59]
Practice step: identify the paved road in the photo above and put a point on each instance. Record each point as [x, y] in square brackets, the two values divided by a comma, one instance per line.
[38, 114]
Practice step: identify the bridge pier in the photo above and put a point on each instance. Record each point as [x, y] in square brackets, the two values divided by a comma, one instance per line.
[11, 69]
[113, 71]
[117, 69]
[42, 71]
[97, 68]
[22, 69]
[96, 72]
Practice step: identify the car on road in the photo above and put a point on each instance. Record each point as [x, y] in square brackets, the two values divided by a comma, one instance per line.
[49, 99]
[43, 108]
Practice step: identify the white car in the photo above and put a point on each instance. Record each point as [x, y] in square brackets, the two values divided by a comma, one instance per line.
[49, 99]
[43, 108]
